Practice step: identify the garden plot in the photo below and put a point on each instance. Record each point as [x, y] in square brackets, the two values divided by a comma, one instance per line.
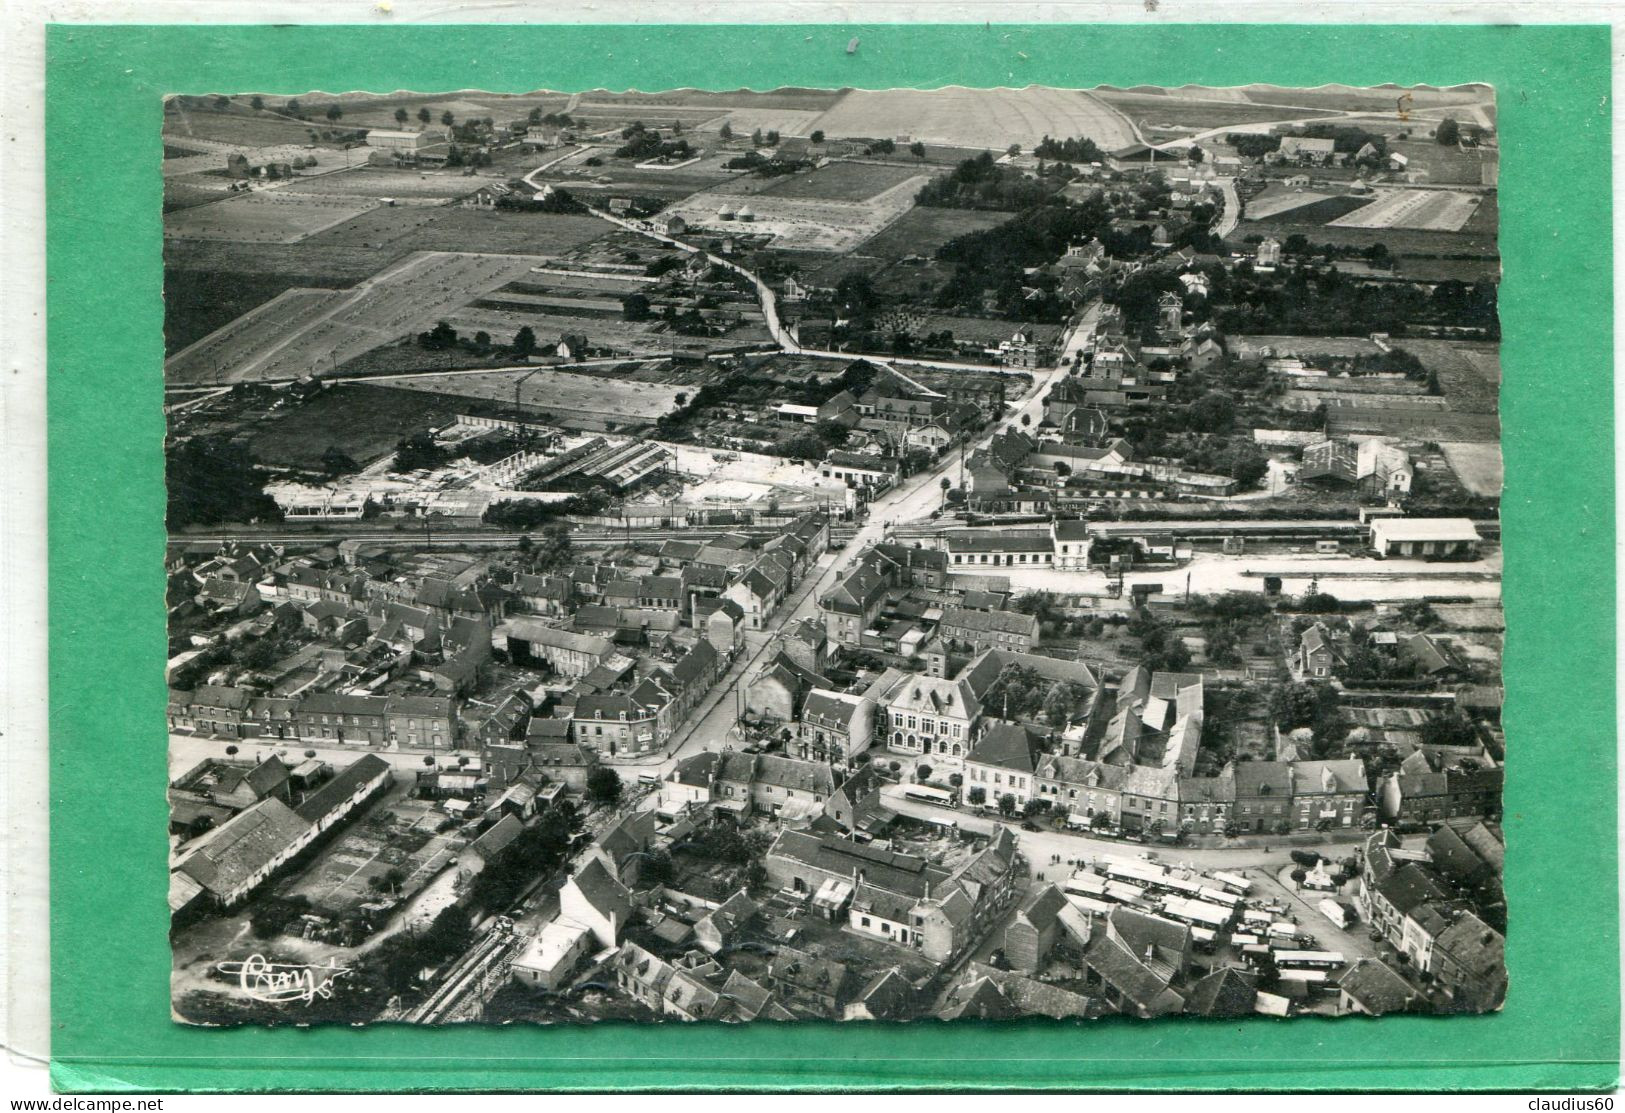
[308, 333]
[1428, 210]
[987, 119]
[264, 216]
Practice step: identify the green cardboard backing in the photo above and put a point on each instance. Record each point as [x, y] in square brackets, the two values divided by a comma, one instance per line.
[110, 1013]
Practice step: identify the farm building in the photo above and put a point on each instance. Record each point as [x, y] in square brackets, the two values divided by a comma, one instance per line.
[1410, 537]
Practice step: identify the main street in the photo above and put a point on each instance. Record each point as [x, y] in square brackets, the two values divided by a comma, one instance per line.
[914, 498]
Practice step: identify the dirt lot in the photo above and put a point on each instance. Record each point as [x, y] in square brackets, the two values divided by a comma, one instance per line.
[362, 421]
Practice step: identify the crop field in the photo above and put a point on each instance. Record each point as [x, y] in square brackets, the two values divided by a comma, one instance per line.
[212, 160]
[507, 233]
[1278, 202]
[986, 119]
[363, 421]
[921, 231]
[558, 392]
[1443, 165]
[1469, 373]
[1478, 466]
[842, 181]
[305, 332]
[1343, 98]
[197, 302]
[786, 121]
[1428, 210]
[377, 182]
[244, 131]
[810, 100]
[1199, 113]
[266, 216]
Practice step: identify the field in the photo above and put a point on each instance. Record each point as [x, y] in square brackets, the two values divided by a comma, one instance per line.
[1443, 165]
[1304, 207]
[1429, 210]
[841, 181]
[922, 230]
[264, 216]
[1478, 466]
[264, 130]
[304, 332]
[403, 838]
[1199, 113]
[1306, 348]
[1469, 373]
[558, 392]
[1343, 98]
[362, 421]
[980, 118]
[1475, 242]
[377, 182]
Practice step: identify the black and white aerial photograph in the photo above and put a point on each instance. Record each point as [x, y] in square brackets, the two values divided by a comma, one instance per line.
[833, 554]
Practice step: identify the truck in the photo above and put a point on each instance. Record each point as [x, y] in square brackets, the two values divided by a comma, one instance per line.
[1337, 912]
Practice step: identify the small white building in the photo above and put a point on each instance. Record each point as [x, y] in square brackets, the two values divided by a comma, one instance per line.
[553, 954]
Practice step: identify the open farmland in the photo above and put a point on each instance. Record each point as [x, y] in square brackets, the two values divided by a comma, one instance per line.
[361, 420]
[1441, 165]
[1174, 111]
[1478, 466]
[922, 230]
[263, 130]
[1301, 205]
[988, 119]
[378, 182]
[842, 181]
[305, 332]
[558, 392]
[263, 216]
[1425, 210]
[1346, 98]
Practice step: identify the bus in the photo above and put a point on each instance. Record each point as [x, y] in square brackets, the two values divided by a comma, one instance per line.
[1241, 939]
[1308, 960]
[1217, 896]
[930, 794]
[1234, 882]
[1085, 884]
[1314, 979]
[1255, 952]
[1259, 917]
[1196, 913]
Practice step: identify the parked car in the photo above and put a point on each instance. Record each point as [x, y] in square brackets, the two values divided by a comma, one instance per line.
[1029, 825]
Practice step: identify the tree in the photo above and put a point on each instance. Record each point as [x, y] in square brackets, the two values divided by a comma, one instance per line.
[1057, 705]
[727, 131]
[524, 341]
[1026, 420]
[292, 107]
[1007, 804]
[424, 115]
[401, 116]
[772, 138]
[231, 751]
[334, 112]
[439, 338]
[1449, 133]
[756, 138]
[635, 307]
[917, 149]
[447, 118]
[257, 104]
[1013, 150]
[604, 785]
[336, 462]
[976, 796]
[922, 772]
[817, 137]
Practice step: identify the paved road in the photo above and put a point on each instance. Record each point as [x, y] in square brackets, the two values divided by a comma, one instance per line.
[915, 497]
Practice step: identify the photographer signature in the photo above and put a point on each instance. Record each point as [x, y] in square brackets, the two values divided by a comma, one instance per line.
[279, 982]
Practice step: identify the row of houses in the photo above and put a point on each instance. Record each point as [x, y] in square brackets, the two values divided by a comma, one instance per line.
[388, 721]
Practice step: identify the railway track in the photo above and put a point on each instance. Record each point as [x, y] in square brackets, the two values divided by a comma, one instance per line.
[486, 961]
